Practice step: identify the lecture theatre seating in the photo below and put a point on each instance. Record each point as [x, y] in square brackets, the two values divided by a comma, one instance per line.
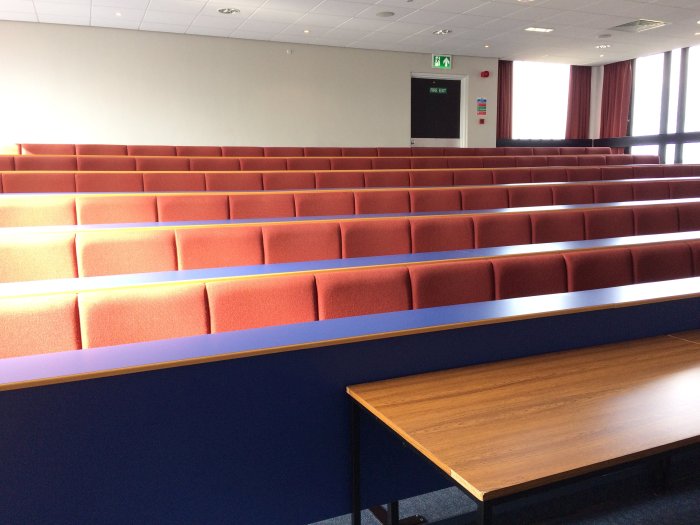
[135, 181]
[70, 209]
[107, 317]
[34, 255]
[175, 163]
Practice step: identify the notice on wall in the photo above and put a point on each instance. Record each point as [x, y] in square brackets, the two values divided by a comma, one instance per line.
[480, 107]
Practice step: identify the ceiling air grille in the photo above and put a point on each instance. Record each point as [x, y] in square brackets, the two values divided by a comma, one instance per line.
[638, 26]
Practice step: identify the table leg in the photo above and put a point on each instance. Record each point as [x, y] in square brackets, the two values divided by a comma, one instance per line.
[483, 513]
[355, 455]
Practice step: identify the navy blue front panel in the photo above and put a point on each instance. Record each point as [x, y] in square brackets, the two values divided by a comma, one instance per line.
[257, 440]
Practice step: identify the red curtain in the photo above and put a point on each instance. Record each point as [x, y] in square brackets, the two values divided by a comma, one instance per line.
[579, 113]
[615, 107]
[504, 124]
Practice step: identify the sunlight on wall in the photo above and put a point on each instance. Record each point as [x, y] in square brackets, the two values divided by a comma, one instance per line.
[540, 100]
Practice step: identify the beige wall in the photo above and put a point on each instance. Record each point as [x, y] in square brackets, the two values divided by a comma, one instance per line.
[94, 85]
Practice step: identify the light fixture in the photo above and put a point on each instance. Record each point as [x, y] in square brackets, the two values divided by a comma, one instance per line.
[117, 14]
[229, 10]
[385, 14]
[603, 46]
[307, 31]
[601, 56]
[486, 45]
[525, 1]
[539, 29]
[442, 32]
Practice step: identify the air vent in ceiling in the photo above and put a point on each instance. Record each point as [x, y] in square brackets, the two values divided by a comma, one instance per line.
[639, 25]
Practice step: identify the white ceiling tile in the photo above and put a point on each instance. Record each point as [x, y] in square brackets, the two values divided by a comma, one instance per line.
[17, 6]
[532, 14]
[212, 9]
[495, 9]
[262, 26]
[124, 4]
[292, 5]
[208, 31]
[64, 19]
[415, 4]
[320, 20]
[335, 7]
[424, 16]
[217, 22]
[274, 15]
[18, 17]
[67, 10]
[456, 6]
[177, 6]
[365, 24]
[115, 23]
[371, 13]
[165, 28]
[168, 17]
[468, 21]
[400, 28]
[116, 14]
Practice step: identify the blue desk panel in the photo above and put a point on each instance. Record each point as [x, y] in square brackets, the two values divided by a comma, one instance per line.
[261, 439]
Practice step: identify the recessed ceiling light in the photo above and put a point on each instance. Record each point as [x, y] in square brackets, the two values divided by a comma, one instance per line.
[307, 31]
[601, 56]
[697, 34]
[229, 10]
[539, 29]
[525, 1]
[486, 45]
[442, 32]
[117, 14]
[385, 14]
[603, 46]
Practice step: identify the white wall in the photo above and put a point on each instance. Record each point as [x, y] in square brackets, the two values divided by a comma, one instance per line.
[64, 84]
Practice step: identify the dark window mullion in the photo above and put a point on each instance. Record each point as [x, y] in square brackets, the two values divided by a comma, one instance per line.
[665, 91]
[682, 94]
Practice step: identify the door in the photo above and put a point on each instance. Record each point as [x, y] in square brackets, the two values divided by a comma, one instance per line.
[435, 112]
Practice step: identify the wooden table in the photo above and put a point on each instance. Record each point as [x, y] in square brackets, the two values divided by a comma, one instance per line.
[504, 428]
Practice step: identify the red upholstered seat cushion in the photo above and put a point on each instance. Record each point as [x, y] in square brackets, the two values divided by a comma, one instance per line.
[349, 293]
[351, 163]
[268, 205]
[557, 226]
[48, 149]
[149, 313]
[215, 164]
[648, 172]
[125, 181]
[242, 151]
[548, 175]
[612, 192]
[682, 189]
[473, 177]
[391, 163]
[529, 275]
[38, 325]
[323, 152]
[198, 151]
[529, 196]
[34, 256]
[286, 180]
[591, 269]
[162, 163]
[546, 150]
[192, 208]
[283, 151]
[359, 152]
[21, 210]
[116, 209]
[301, 242]
[437, 234]
[598, 150]
[518, 151]
[233, 181]
[566, 160]
[531, 161]
[38, 182]
[99, 163]
[620, 160]
[655, 219]
[420, 163]
[161, 151]
[240, 304]
[218, 247]
[113, 252]
[324, 203]
[644, 159]
[688, 217]
[499, 162]
[308, 163]
[263, 164]
[573, 150]
[375, 237]
[680, 170]
[45, 163]
[589, 160]
[431, 178]
[394, 152]
[435, 200]
[649, 191]
[484, 198]
[659, 262]
[443, 284]
[387, 179]
[340, 179]
[502, 230]
[465, 162]
[603, 223]
[572, 194]
[512, 176]
[382, 202]
[185, 181]
[584, 174]
[617, 172]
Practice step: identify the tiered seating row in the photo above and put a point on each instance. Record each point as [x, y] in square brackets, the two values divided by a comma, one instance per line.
[43, 210]
[127, 163]
[133, 181]
[253, 151]
[57, 322]
[44, 255]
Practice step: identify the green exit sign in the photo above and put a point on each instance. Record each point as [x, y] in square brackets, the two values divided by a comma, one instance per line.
[438, 90]
[442, 61]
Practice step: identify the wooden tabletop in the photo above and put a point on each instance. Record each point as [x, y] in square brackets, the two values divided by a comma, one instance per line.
[501, 428]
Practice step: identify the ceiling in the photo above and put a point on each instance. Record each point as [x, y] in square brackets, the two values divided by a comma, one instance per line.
[478, 27]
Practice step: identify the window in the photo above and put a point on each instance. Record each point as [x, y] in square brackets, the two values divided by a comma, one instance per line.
[648, 81]
[540, 99]
[692, 103]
